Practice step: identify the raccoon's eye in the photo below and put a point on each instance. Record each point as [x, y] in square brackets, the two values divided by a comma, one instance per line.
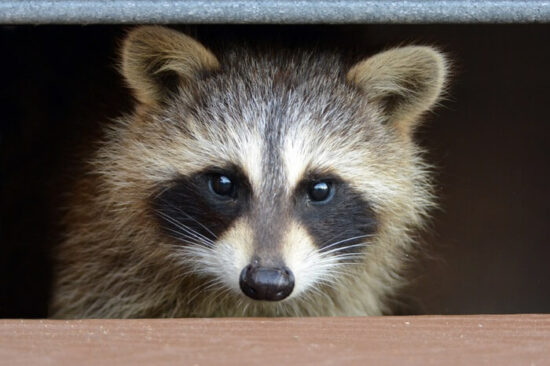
[320, 191]
[222, 185]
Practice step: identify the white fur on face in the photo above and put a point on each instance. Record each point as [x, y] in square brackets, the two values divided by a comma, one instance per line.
[224, 259]
[246, 148]
[295, 160]
[243, 148]
[302, 257]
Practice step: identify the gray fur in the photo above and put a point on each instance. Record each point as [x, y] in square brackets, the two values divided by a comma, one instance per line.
[278, 115]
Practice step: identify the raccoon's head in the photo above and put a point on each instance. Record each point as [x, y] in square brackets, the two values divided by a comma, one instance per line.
[279, 176]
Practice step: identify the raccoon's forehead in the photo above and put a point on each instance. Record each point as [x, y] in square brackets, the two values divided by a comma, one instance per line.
[266, 117]
[276, 93]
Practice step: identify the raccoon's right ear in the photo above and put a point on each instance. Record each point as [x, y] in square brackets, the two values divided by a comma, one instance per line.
[156, 60]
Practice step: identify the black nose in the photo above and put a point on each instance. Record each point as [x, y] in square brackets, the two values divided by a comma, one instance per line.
[266, 283]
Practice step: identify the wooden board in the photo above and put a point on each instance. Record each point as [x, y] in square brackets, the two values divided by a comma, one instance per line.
[422, 340]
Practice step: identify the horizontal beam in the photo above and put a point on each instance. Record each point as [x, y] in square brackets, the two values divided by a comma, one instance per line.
[413, 340]
[272, 11]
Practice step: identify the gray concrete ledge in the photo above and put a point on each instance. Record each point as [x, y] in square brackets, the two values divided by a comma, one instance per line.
[277, 11]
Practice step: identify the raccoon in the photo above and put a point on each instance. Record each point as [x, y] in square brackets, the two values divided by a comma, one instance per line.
[251, 183]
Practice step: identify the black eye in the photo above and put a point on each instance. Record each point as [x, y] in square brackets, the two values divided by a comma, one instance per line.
[320, 191]
[222, 185]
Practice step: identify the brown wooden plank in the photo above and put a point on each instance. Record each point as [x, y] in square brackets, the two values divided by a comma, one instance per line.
[422, 340]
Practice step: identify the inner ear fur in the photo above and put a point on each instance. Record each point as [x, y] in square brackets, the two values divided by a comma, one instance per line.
[156, 60]
[404, 81]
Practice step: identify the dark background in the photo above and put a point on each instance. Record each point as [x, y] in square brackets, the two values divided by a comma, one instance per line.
[488, 249]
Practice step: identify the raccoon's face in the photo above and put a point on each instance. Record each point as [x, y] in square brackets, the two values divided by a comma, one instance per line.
[271, 234]
[263, 239]
[274, 174]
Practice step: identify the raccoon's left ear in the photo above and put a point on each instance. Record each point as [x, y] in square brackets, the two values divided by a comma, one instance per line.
[156, 60]
[405, 82]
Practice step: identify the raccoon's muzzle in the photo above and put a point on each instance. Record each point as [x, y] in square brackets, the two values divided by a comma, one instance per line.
[266, 283]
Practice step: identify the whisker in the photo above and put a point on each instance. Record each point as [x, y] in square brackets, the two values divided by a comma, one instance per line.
[246, 306]
[195, 220]
[186, 229]
[345, 240]
[344, 248]
[188, 239]
[203, 287]
[338, 260]
[181, 225]
[337, 254]
[221, 295]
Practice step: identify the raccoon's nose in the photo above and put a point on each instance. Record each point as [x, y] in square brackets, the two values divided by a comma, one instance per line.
[266, 283]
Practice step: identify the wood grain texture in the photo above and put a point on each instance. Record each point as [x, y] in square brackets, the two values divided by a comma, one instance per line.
[424, 340]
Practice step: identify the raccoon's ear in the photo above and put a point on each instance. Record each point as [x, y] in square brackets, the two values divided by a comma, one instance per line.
[156, 60]
[405, 82]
